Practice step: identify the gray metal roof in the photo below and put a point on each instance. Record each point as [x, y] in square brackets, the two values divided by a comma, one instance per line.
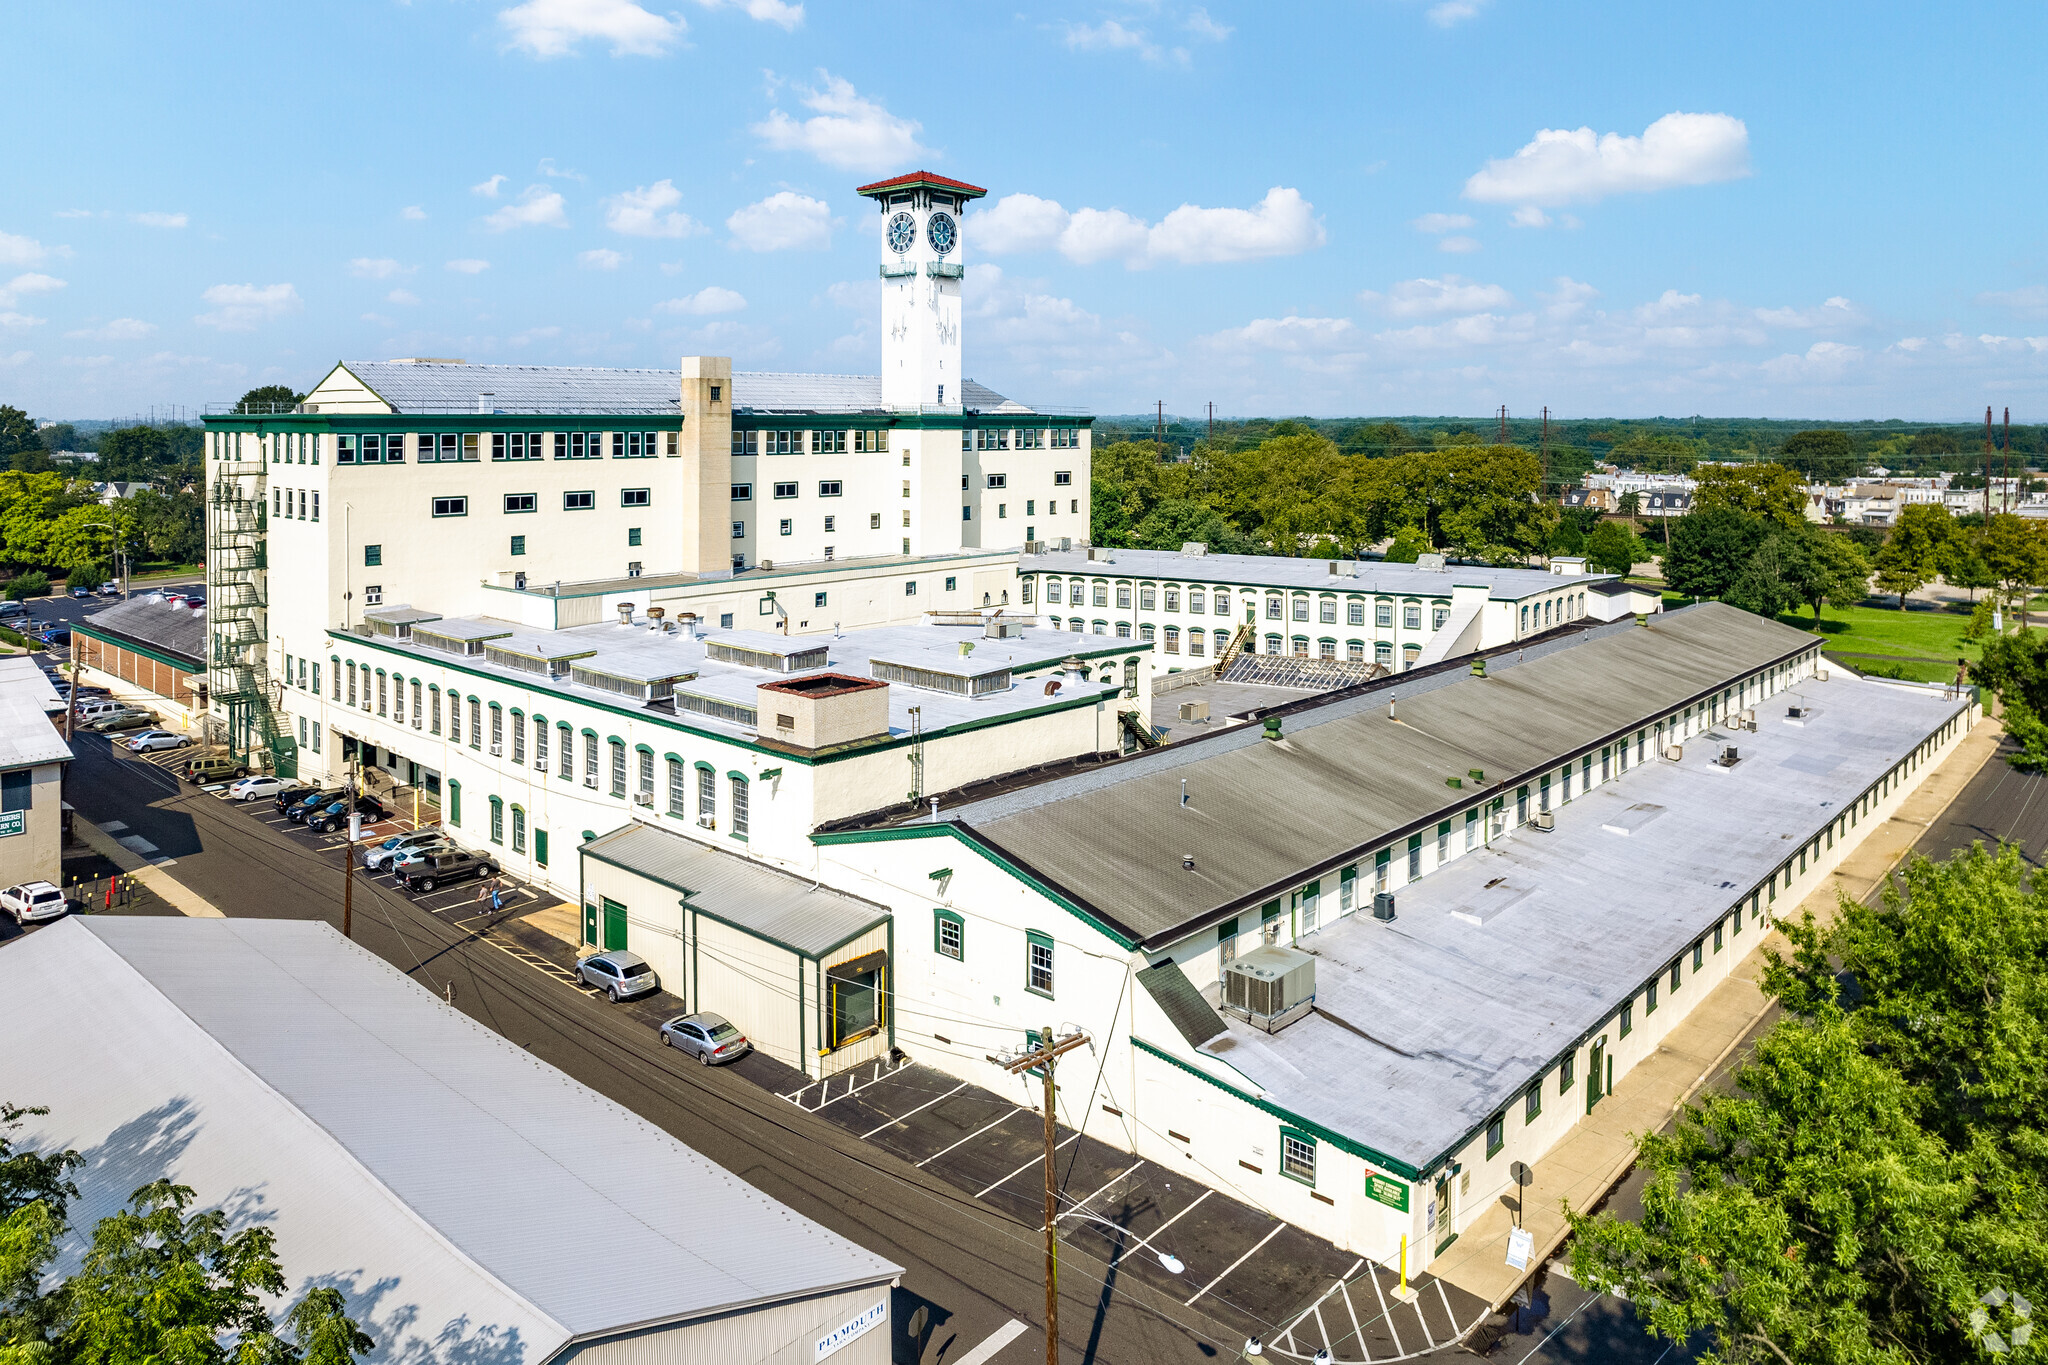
[1372, 576]
[159, 625]
[472, 1201]
[440, 387]
[793, 911]
[1183, 1005]
[1499, 961]
[1114, 839]
[27, 705]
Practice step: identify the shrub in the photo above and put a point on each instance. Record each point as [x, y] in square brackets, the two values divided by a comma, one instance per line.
[34, 583]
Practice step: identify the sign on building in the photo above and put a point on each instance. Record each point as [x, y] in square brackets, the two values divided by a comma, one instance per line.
[1392, 1193]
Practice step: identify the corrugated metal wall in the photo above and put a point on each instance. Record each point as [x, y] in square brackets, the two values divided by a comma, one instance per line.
[783, 1334]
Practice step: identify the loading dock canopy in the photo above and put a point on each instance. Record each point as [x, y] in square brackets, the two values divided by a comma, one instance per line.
[791, 912]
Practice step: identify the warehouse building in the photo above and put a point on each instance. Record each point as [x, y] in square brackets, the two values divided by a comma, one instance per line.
[290, 1077]
[1350, 964]
[150, 649]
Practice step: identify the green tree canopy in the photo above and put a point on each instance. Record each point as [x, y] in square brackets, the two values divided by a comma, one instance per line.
[1761, 490]
[1709, 550]
[1912, 555]
[269, 398]
[1615, 548]
[1820, 454]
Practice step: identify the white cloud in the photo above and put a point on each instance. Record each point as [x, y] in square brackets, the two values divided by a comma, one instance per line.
[245, 307]
[469, 266]
[86, 361]
[1451, 13]
[402, 296]
[1459, 245]
[548, 168]
[858, 295]
[1292, 334]
[376, 268]
[380, 319]
[2032, 301]
[1832, 313]
[413, 213]
[15, 322]
[1561, 166]
[1823, 360]
[120, 329]
[649, 211]
[1202, 26]
[1569, 299]
[539, 206]
[1283, 224]
[847, 130]
[1451, 294]
[553, 28]
[160, 220]
[601, 258]
[23, 285]
[24, 250]
[533, 334]
[17, 358]
[784, 221]
[705, 302]
[1111, 36]
[1529, 216]
[1441, 222]
[784, 16]
[489, 188]
[1670, 303]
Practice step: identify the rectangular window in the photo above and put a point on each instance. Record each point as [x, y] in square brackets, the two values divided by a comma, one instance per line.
[451, 507]
[739, 806]
[434, 694]
[1383, 615]
[949, 935]
[707, 797]
[646, 775]
[1628, 1018]
[633, 497]
[742, 492]
[1567, 1071]
[1496, 1134]
[373, 556]
[785, 490]
[1037, 963]
[519, 829]
[1062, 477]
[1411, 616]
[678, 793]
[519, 545]
[1532, 1102]
[540, 743]
[581, 501]
[590, 760]
[470, 449]
[1650, 997]
[476, 719]
[565, 742]
[1298, 1157]
[520, 502]
[829, 488]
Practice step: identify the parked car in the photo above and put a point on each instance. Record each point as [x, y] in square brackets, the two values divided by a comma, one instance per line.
[707, 1037]
[248, 788]
[99, 708]
[33, 902]
[110, 589]
[149, 741]
[291, 796]
[218, 768]
[619, 974]
[402, 859]
[399, 845]
[10, 610]
[81, 591]
[113, 722]
[297, 814]
[335, 815]
[438, 869]
[56, 635]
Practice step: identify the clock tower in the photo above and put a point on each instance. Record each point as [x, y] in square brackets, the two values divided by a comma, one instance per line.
[921, 270]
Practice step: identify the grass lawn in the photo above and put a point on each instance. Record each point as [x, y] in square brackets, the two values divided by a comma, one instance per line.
[1922, 643]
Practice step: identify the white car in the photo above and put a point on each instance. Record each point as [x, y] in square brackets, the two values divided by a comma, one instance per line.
[33, 902]
[250, 788]
[400, 845]
[149, 741]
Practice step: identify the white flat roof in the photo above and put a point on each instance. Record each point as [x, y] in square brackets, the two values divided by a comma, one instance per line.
[27, 702]
[1278, 571]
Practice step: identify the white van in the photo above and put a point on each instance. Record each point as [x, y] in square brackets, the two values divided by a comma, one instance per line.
[92, 708]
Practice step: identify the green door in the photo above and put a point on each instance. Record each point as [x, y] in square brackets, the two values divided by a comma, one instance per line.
[1595, 1075]
[590, 925]
[614, 925]
[540, 847]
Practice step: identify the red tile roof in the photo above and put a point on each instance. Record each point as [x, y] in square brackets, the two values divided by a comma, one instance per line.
[895, 182]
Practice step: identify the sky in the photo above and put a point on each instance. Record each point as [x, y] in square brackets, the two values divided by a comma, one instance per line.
[1810, 210]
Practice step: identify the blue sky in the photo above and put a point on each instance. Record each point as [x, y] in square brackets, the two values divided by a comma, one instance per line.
[1404, 206]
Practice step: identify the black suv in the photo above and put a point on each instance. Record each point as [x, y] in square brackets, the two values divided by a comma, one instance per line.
[437, 869]
[298, 814]
[335, 815]
[291, 796]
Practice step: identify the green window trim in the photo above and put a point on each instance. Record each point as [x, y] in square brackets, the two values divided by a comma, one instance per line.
[736, 775]
[1532, 1102]
[673, 758]
[707, 767]
[454, 802]
[1496, 1134]
[588, 731]
[940, 919]
[497, 831]
[1034, 939]
[643, 748]
[1307, 1140]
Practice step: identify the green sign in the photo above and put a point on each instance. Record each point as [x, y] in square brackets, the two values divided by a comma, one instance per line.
[13, 822]
[1392, 1193]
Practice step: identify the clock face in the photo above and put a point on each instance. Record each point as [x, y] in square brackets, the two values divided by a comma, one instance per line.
[942, 233]
[902, 233]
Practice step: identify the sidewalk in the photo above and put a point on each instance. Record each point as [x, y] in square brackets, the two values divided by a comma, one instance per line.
[133, 864]
[1581, 1169]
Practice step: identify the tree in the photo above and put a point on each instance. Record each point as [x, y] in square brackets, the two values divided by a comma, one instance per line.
[1820, 455]
[1708, 551]
[1963, 567]
[269, 398]
[1615, 548]
[2015, 550]
[1631, 504]
[1567, 538]
[1762, 490]
[17, 432]
[171, 526]
[1821, 568]
[1912, 555]
[1176, 521]
[1407, 547]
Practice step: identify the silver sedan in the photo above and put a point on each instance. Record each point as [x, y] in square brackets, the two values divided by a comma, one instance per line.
[619, 974]
[708, 1037]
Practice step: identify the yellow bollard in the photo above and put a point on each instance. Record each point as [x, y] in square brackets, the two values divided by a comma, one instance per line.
[1404, 1267]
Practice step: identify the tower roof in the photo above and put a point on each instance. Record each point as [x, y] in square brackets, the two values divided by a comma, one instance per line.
[916, 178]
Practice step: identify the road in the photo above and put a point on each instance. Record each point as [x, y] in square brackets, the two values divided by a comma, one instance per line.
[1568, 1324]
[970, 1270]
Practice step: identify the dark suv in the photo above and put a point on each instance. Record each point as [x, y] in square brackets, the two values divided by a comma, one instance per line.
[291, 796]
[335, 815]
[437, 869]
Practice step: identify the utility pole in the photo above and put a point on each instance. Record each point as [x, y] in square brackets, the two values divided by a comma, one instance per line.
[348, 863]
[1212, 424]
[1503, 424]
[1159, 431]
[1987, 469]
[1045, 1052]
[2005, 466]
[1545, 449]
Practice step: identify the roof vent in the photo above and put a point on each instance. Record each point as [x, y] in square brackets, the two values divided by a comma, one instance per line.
[1270, 987]
[1430, 563]
[487, 402]
[625, 613]
[1196, 548]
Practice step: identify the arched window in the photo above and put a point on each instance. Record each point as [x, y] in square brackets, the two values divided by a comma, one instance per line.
[618, 768]
[1273, 642]
[519, 829]
[1123, 630]
[739, 804]
[678, 792]
[497, 729]
[1173, 639]
[1326, 649]
[567, 749]
[1146, 631]
[1300, 643]
[1130, 677]
[1221, 639]
[707, 796]
[497, 821]
[434, 693]
[1354, 651]
[646, 775]
[518, 736]
[1383, 652]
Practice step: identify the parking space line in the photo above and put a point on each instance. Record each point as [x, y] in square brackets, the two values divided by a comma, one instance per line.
[1090, 1199]
[1235, 1264]
[1445, 1300]
[1351, 1310]
[1428, 1335]
[1386, 1316]
[969, 1138]
[995, 1341]
[856, 1089]
[919, 1110]
[1326, 1294]
[1147, 1241]
[1029, 1165]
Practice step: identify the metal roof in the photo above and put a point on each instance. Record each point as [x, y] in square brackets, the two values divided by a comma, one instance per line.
[473, 1202]
[1183, 1005]
[152, 622]
[1502, 959]
[1114, 839]
[896, 182]
[1372, 576]
[451, 387]
[795, 912]
[28, 705]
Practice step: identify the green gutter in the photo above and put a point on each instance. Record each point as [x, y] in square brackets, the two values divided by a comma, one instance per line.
[1335, 1139]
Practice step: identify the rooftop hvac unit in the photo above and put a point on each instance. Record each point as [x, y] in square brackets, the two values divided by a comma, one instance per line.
[1674, 752]
[1546, 820]
[1270, 987]
[1796, 712]
[1383, 905]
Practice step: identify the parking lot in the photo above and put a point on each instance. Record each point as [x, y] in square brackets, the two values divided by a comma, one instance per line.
[1298, 1293]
